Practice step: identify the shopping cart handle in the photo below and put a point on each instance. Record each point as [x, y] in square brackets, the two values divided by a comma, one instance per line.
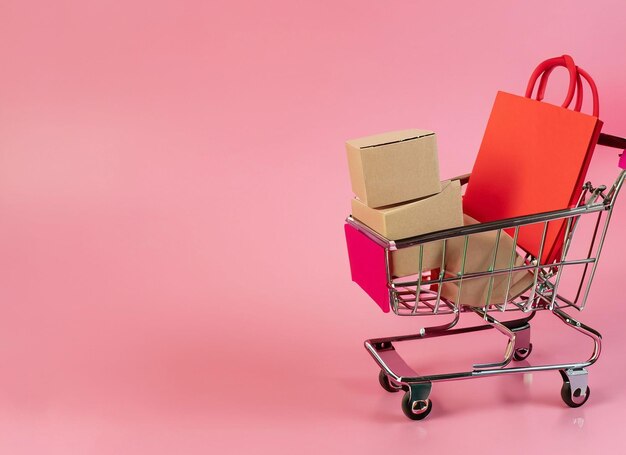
[612, 141]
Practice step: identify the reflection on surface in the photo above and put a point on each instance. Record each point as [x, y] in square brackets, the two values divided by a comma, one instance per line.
[528, 379]
[422, 433]
[573, 420]
[579, 421]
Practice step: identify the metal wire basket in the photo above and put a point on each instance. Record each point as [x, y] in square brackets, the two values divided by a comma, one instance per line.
[421, 294]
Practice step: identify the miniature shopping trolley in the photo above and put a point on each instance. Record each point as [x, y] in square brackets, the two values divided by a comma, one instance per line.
[421, 294]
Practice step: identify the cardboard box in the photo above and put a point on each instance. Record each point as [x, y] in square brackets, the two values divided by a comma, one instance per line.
[479, 258]
[434, 213]
[429, 214]
[405, 262]
[394, 167]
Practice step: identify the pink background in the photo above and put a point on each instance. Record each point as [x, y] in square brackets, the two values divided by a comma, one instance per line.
[172, 191]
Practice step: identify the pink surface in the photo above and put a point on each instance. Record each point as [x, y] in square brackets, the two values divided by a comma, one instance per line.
[173, 186]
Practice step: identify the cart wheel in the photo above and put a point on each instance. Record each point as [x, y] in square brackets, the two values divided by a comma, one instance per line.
[577, 399]
[387, 384]
[522, 353]
[416, 409]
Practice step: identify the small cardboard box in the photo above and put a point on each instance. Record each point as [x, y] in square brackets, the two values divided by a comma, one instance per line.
[429, 214]
[405, 262]
[394, 167]
[434, 213]
[479, 258]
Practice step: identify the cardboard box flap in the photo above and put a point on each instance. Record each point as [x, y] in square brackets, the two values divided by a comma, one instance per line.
[429, 214]
[393, 207]
[388, 138]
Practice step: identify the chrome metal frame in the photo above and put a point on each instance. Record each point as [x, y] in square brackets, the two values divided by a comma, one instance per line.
[420, 295]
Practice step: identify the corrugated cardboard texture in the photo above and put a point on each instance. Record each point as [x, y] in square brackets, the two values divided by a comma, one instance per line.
[479, 258]
[388, 138]
[434, 213]
[405, 262]
[394, 167]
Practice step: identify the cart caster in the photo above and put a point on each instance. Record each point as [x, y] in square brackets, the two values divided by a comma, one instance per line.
[387, 383]
[575, 391]
[576, 399]
[416, 409]
[522, 353]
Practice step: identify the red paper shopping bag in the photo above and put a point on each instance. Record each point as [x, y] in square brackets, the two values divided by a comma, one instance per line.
[534, 157]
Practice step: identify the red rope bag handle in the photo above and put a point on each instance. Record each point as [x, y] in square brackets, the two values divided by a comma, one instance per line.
[545, 68]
